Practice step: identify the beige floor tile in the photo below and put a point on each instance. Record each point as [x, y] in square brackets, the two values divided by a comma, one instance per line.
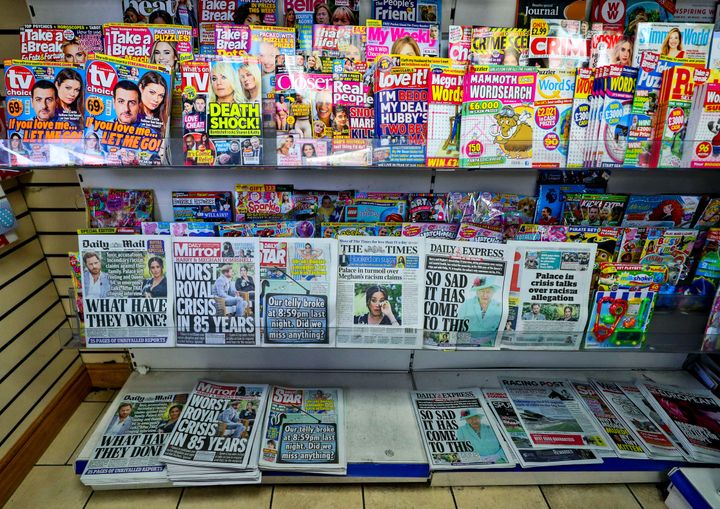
[73, 456]
[499, 497]
[595, 496]
[650, 496]
[50, 487]
[317, 497]
[417, 496]
[227, 497]
[71, 434]
[164, 498]
[101, 395]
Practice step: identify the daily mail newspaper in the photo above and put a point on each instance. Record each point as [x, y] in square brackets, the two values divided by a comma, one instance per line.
[304, 430]
[465, 292]
[548, 294]
[518, 439]
[217, 426]
[552, 415]
[215, 298]
[458, 431]
[379, 292]
[297, 291]
[129, 450]
[127, 290]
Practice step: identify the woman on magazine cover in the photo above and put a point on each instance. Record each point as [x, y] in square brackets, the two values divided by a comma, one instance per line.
[672, 46]
[225, 84]
[343, 16]
[69, 87]
[406, 46]
[166, 426]
[185, 14]
[156, 285]
[154, 98]
[379, 310]
[73, 52]
[165, 53]
[322, 15]
[250, 80]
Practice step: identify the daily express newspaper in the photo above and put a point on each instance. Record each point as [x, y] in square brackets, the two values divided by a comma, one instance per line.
[548, 295]
[304, 430]
[379, 292]
[130, 447]
[458, 431]
[520, 442]
[551, 414]
[127, 290]
[215, 297]
[217, 426]
[297, 291]
[465, 292]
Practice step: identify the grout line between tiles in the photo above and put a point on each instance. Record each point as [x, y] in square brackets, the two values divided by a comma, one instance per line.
[88, 499]
[634, 496]
[182, 492]
[452, 494]
[547, 502]
[272, 494]
[362, 495]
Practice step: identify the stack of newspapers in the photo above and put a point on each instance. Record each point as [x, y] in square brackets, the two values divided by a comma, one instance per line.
[215, 439]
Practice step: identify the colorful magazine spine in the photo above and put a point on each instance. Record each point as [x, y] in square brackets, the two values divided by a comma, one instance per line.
[444, 116]
[580, 118]
[553, 108]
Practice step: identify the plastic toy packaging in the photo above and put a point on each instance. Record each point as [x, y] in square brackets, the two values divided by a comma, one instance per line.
[114, 208]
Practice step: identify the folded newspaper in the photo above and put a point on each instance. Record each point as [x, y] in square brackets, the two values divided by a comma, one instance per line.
[458, 432]
[304, 431]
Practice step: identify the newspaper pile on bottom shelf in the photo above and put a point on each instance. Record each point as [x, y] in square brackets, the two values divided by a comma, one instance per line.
[214, 441]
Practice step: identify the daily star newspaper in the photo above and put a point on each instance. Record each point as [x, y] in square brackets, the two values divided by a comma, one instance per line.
[215, 298]
[465, 292]
[129, 450]
[518, 439]
[548, 295]
[458, 431]
[552, 415]
[379, 295]
[127, 290]
[217, 425]
[304, 430]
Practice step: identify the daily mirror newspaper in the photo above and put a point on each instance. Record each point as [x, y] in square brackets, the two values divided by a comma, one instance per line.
[379, 292]
[548, 295]
[127, 290]
[465, 292]
[458, 431]
[215, 297]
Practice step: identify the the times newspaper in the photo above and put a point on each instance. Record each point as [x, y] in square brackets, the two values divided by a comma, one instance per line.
[458, 431]
[622, 438]
[518, 438]
[216, 300]
[127, 290]
[379, 292]
[297, 291]
[691, 414]
[548, 295]
[552, 416]
[217, 426]
[129, 450]
[304, 430]
[465, 291]
[653, 439]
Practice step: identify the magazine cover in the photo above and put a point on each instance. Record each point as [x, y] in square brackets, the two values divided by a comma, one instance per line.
[297, 292]
[703, 135]
[445, 96]
[129, 449]
[167, 45]
[464, 295]
[202, 206]
[447, 231]
[459, 41]
[117, 208]
[554, 186]
[419, 11]
[610, 48]
[215, 298]
[393, 38]
[379, 293]
[558, 44]
[549, 9]
[553, 106]
[586, 209]
[663, 210]
[302, 15]
[552, 415]
[711, 341]
[353, 125]
[303, 111]
[684, 40]
[473, 232]
[68, 43]
[138, 11]
[342, 46]
[548, 294]
[670, 248]
[304, 429]
[580, 118]
[127, 290]
[501, 46]
[458, 431]
[616, 118]
[263, 201]
[217, 426]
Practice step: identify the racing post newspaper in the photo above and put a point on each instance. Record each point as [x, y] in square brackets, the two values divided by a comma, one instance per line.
[297, 291]
[304, 430]
[464, 293]
[548, 295]
[215, 297]
[216, 429]
[379, 292]
[518, 439]
[458, 432]
[129, 451]
[127, 290]
[552, 416]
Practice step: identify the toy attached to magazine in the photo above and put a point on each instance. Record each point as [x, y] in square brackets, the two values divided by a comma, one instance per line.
[619, 319]
[116, 208]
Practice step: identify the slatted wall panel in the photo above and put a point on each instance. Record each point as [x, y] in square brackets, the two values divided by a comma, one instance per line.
[34, 366]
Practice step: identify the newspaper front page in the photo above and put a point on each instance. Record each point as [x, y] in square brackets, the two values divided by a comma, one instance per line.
[458, 431]
[127, 290]
[215, 297]
[465, 294]
[379, 293]
[549, 295]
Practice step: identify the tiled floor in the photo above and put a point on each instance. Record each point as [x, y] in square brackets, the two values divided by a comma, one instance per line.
[52, 483]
